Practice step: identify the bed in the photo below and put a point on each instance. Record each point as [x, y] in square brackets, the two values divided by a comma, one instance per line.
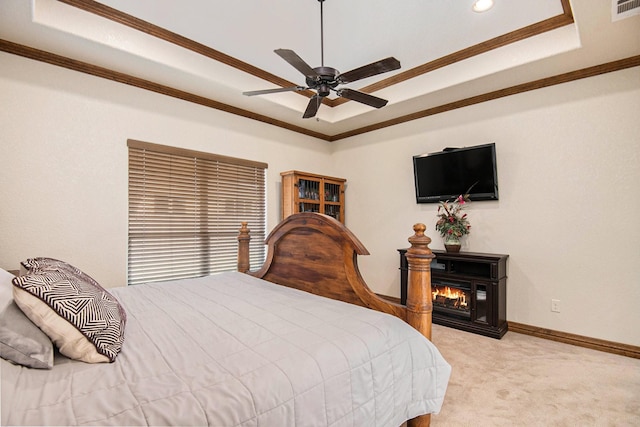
[250, 348]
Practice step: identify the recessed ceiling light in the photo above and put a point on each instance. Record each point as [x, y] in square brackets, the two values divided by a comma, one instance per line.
[482, 5]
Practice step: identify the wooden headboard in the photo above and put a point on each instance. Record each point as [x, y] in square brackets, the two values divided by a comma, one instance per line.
[318, 254]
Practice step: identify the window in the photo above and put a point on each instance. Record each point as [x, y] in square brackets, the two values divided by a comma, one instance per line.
[185, 210]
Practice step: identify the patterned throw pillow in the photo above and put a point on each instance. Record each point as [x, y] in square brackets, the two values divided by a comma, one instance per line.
[84, 320]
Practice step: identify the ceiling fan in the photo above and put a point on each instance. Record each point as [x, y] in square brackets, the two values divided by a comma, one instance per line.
[325, 79]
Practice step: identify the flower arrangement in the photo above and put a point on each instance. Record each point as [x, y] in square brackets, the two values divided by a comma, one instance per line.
[451, 224]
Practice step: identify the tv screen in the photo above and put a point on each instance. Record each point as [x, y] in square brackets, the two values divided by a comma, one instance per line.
[452, 172]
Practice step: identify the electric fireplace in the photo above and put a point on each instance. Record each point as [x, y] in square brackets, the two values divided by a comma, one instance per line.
[468, 291]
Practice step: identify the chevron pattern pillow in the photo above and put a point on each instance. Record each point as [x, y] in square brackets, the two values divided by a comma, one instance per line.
[83, 320]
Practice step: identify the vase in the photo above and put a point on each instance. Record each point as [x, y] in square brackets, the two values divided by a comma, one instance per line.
[452, 244]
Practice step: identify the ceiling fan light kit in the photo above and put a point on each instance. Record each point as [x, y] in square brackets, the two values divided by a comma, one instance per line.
[324, 79]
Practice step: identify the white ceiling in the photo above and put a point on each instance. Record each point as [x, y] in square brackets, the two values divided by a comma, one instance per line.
[356, 32]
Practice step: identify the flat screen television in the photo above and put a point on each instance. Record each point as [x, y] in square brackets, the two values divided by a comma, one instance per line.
[454, 171]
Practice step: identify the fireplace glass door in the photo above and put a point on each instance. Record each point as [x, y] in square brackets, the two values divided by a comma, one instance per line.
[464, 300]
[451, 298]
[481, 302]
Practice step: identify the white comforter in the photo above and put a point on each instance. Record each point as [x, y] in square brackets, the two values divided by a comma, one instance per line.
[232, 350]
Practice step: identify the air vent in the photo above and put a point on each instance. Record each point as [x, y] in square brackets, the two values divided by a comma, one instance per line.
[621, 9]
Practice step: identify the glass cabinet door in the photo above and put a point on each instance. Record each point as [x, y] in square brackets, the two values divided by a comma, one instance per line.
[332, 202]
[309, 195]
[332, 192]
[308, 189]
[481, 306]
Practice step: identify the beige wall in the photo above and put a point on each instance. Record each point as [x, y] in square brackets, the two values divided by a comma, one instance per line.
[569, 177]
[568, 161]
[63, 181]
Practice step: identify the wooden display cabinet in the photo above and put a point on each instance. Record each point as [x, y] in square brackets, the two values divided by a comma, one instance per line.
[308, 192]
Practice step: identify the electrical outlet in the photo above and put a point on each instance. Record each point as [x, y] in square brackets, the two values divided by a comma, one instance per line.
[555, 305]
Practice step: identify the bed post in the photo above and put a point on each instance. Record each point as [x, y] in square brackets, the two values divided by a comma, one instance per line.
[243, 248]
[419, 297]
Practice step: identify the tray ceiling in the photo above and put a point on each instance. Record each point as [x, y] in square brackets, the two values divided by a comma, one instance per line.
[210, 52]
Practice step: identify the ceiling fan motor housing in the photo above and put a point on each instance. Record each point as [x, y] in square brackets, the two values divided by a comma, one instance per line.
[326, 81]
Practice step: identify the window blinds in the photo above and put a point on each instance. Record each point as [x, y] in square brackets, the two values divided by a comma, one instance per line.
[185, 210]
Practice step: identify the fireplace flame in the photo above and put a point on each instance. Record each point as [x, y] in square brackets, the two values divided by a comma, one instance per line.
[454, 297]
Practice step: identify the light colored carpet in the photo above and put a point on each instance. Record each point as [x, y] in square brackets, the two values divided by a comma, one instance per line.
[522, 380]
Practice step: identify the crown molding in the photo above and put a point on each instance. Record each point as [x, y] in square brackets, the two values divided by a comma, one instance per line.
[83, 67]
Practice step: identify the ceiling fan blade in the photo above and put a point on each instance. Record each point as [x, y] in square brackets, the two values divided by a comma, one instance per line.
[379, 67]
[298, 63]
[362, 97]
[267, 91]
[312, 107]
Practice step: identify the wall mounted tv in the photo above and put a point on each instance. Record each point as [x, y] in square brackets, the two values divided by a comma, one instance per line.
[453, 171]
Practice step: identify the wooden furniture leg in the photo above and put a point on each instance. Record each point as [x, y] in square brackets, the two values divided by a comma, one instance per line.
[421, 421]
